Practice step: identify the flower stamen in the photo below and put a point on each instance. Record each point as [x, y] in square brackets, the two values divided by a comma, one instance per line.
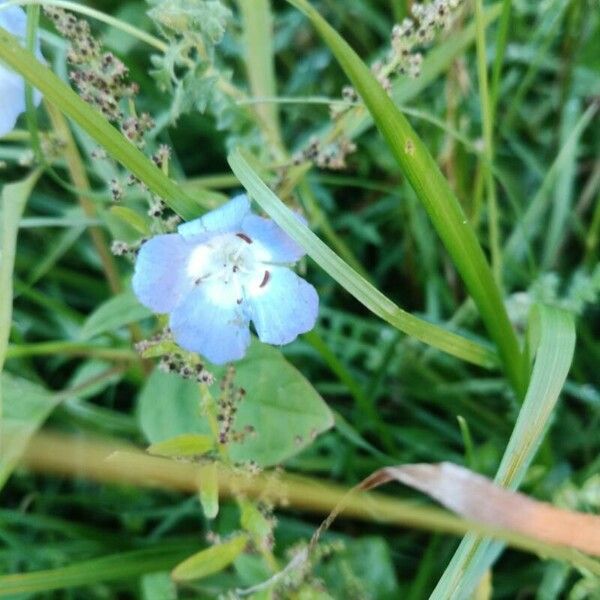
[244, 237]
[265, 279]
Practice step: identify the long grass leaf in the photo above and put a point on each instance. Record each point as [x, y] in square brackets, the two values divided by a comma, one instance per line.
[552, 333]
[435, 194]
[116, 567]
[533, 221]
[352, 282]
[257, 23]
[12, 204]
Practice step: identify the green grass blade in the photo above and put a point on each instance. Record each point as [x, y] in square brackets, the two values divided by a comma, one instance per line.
[562, 201]
[552, 333]
[12, 204]
[356, 285]
[117, 567]
[257, 23]
[94, 124]
[500, 50]
[27, 405]
[533, 220]
[487, 118]
[435, 194]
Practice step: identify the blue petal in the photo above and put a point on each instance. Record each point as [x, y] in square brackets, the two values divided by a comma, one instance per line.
[14, 20]
[280, 245]
[227, 217]
[220, 333]
[159, 280]
[287, 307]
[12, 86]
[12, 99]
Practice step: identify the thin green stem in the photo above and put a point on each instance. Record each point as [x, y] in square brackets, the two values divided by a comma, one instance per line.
[501, 41]
[78, 175]
[257, 22]
[70, 349]
[487, 121]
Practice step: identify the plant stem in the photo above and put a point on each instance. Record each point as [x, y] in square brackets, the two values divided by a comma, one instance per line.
[487, 120]
[80, 181]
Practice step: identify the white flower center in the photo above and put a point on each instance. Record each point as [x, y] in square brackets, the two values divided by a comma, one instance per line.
[230, 267]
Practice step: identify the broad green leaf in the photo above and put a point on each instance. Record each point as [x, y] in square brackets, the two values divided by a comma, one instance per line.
[552, 337]
[186, 444]
[26, 407]
[434, 192]
[116, 567]
[348, 278]
[284, 409]
[169, 406]
[120, 310]
[252, 570]
[210, 561]
[158, 586]
[281, 406]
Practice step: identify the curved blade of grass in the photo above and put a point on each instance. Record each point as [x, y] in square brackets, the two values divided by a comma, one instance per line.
[350, 280]
[94, 124]
[533, 219]
[552, 334]
[257, 21]
[116, 567]
[12, 204]
[435, 194]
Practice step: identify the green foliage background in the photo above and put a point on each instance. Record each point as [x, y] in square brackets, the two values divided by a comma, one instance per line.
[70, 361]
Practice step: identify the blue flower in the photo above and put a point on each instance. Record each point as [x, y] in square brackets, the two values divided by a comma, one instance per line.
[12, 86]
[218, 273]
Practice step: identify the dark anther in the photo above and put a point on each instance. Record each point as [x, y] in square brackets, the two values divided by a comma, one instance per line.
[265, 280]
[244, 237]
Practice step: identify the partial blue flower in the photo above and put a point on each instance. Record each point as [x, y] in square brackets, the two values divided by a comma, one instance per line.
[12, 86]
[218, 273]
